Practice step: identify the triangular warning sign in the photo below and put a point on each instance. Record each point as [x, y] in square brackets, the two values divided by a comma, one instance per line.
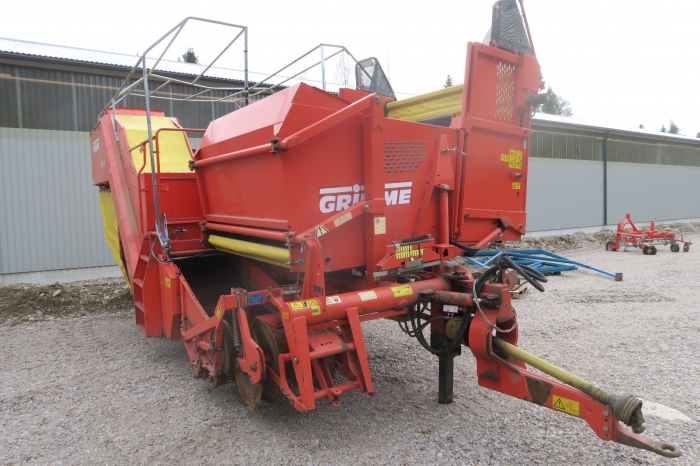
[320, 231]
[559, 405]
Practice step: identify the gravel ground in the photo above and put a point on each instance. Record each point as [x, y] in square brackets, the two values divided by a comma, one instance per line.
[92, 389]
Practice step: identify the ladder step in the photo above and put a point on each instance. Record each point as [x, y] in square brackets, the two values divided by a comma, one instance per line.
[137, 282]
[139, 305]
[144, 258]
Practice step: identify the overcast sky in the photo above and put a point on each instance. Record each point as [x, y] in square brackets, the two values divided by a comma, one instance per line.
[620, 63]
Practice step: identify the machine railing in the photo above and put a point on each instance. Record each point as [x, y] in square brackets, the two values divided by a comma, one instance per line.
[148, 73]
[156, 167]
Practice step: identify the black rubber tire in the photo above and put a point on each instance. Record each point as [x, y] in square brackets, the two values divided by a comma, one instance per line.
[652, 251]
[675, 247]
[611, 243]
[645, 251]
[686, 247]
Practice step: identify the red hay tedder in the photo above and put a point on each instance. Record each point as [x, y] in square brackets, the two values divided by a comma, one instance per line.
[646, 239]
[305, 213]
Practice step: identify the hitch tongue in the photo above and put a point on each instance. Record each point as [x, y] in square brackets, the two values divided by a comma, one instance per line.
[625, 407]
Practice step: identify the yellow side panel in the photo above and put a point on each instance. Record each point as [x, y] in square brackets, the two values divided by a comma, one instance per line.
[109, 218]
[174, 153]
[446, 101]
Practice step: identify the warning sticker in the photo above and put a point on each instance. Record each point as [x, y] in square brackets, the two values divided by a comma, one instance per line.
[342, 219]
[516, 159]
[380, 225]
[505, 158]
[403, 290]
[167, 282]
[219, 312]
[516, 185]
[566, 405]
[313, 304]
[333, 300]
[320, 231]
[367, 295]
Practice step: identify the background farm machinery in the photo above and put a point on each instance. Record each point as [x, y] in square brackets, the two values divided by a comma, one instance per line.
[304, 214]
[647, 240]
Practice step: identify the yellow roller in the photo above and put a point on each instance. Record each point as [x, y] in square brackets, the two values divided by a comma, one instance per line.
[446, 101]
[255, 251]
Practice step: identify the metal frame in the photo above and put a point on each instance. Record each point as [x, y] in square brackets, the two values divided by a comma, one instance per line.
[142, 63]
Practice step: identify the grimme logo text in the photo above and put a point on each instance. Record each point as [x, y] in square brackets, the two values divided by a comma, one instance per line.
[338, 199]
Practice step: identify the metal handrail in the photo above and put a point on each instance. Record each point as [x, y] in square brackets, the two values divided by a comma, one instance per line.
[142, 145]
[147, 73]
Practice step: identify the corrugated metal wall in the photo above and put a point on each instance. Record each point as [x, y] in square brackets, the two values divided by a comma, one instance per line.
[648, 192]
[50, 214]
[649, 178]
[50, 218]
[68, 101]
[49, 211]
[564, 194]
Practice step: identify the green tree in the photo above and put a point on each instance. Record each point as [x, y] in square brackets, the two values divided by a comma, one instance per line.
[641, 125]
[697, 135]
[189, 56]
[556, 104]
[673, 128]
[449, 82]
[663, 128]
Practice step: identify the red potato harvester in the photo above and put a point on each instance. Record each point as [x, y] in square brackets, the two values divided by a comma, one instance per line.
[636, 237]
[305, 213]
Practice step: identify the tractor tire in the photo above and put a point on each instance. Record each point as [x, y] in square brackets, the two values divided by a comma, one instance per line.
[675, 247]
[645, 250]
[612, 246]
[652, 250]
[686, 247]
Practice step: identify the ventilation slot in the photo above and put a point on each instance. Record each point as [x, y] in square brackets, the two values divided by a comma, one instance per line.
[403, 157]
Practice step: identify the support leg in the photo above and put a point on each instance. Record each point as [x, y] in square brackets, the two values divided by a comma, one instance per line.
[445, 377]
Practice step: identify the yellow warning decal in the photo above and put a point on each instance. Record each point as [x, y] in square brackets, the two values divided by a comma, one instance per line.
[342, 219]
[516, 159]
[505, 157]
[403, 290]
[516, 185]
[320, 231]
[219, 312]
[167, 282]
[566, 405]
[309, 303]
[404, 252]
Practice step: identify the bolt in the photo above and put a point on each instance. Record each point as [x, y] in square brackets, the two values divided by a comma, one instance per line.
[365, 207]
[296, 359]
[376, 98]
[445, 186]
[606, 428]
[606, 413]
[254, 366]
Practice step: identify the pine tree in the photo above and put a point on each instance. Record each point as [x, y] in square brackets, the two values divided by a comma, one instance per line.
[449, 82]
[189, 56]
[673, 128]
[556, 105]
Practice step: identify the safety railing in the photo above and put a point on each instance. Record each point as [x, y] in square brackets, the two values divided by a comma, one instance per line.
[235, 94]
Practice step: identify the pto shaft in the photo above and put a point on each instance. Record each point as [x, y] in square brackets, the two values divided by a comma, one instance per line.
[626, 408]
